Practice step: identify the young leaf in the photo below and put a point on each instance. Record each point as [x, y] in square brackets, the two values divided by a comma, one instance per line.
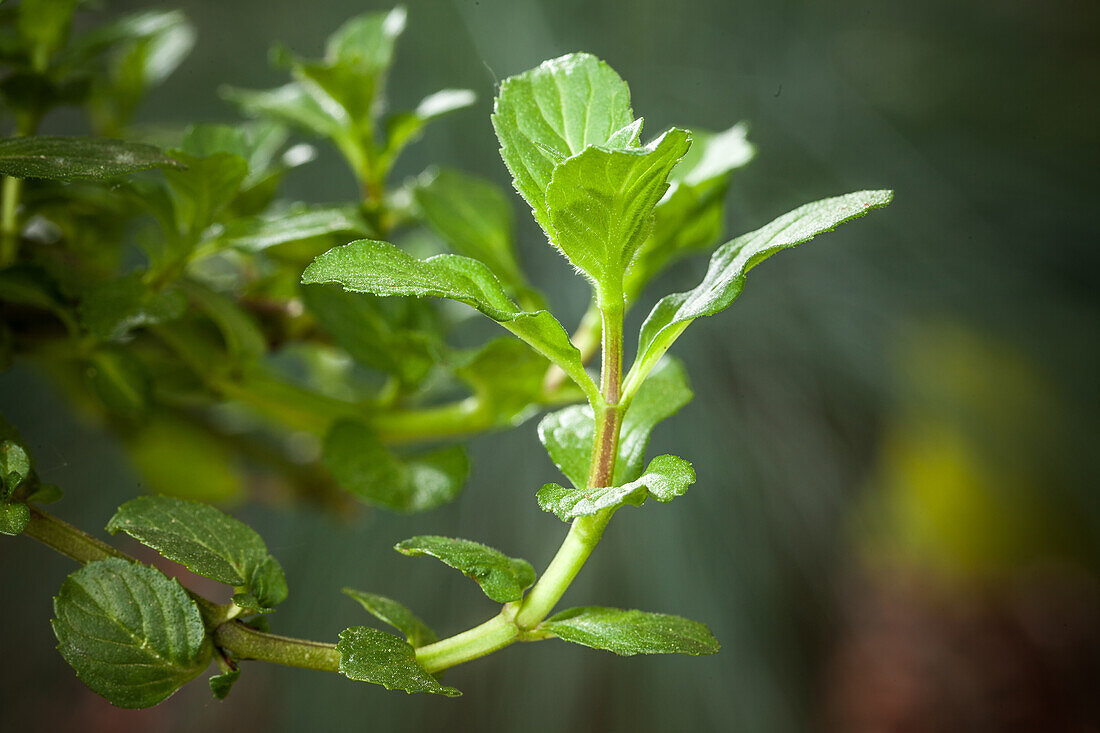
[15, 467]
[600, 204]
[290, 104]
[221, 684]
[631, 632]
[207, 541]
[568, 433]
[476, 220]
[403, 128]
[114, 308]
[132, 635]
[666, 478]
[691, 216]
[552, 112]
[76, 158]
[370, 655]
[367, 266]
[366, 468]
[502, 578]
[731, 263]
[396, 615]
[14, 518]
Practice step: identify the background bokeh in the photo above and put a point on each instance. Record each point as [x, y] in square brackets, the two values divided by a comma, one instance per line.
[896, 525]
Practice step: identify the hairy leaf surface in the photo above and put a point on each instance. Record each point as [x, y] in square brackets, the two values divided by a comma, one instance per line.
[502, 578]
[370, 655]
[132, 635]
[396, 615]
[632, 632]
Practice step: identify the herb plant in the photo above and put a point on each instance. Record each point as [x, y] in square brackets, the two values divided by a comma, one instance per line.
[176, 298]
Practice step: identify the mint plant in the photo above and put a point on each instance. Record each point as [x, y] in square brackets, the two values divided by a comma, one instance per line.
[240, 294]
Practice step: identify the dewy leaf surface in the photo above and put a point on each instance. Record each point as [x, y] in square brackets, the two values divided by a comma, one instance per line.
[568, 434]
[76, 158]
[600, 204]
[368, 266]
[370, 655]
[396, 615]
[132, 635]
[366, 468]
[632, 632]
[205, 540]
[502, 578]
[729, 265]
[666, 478]
[552, 112]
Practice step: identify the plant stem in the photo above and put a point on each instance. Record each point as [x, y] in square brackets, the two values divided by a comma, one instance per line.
[496, 633]
[559, 574]
[9, 221]
[243, 642]
[583, 535]
[82, 547]
[68, 540]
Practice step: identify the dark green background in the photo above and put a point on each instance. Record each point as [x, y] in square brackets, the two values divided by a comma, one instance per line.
[982, 115]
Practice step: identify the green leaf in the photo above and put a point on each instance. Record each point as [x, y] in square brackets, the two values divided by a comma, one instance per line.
[205, 540]
[268, 583]
[552, 112]
[366, 42]
[366, 468]
[45, 24]
[290, 104]
[14, 518]
[367, 266]
[221, 684]
[403, 128]
[730, 264]
[298, 223]
[362, 327]
[15, 467]
[132, 635]
[663, 394]
[154, 45]
[120, 380]
[178, 458]
[502, 578]
[600, 204]
[77, 158]
[666, 478]
[370, 655]
[204, 189]
[475, 218]
[114, 308]
[691, 216]
[631, 632]
[242, 335]
[568, 434]
[396, 615]
[45, 494]
[507, 378]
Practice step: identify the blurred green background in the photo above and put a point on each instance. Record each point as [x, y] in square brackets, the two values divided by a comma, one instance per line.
[896, 524]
